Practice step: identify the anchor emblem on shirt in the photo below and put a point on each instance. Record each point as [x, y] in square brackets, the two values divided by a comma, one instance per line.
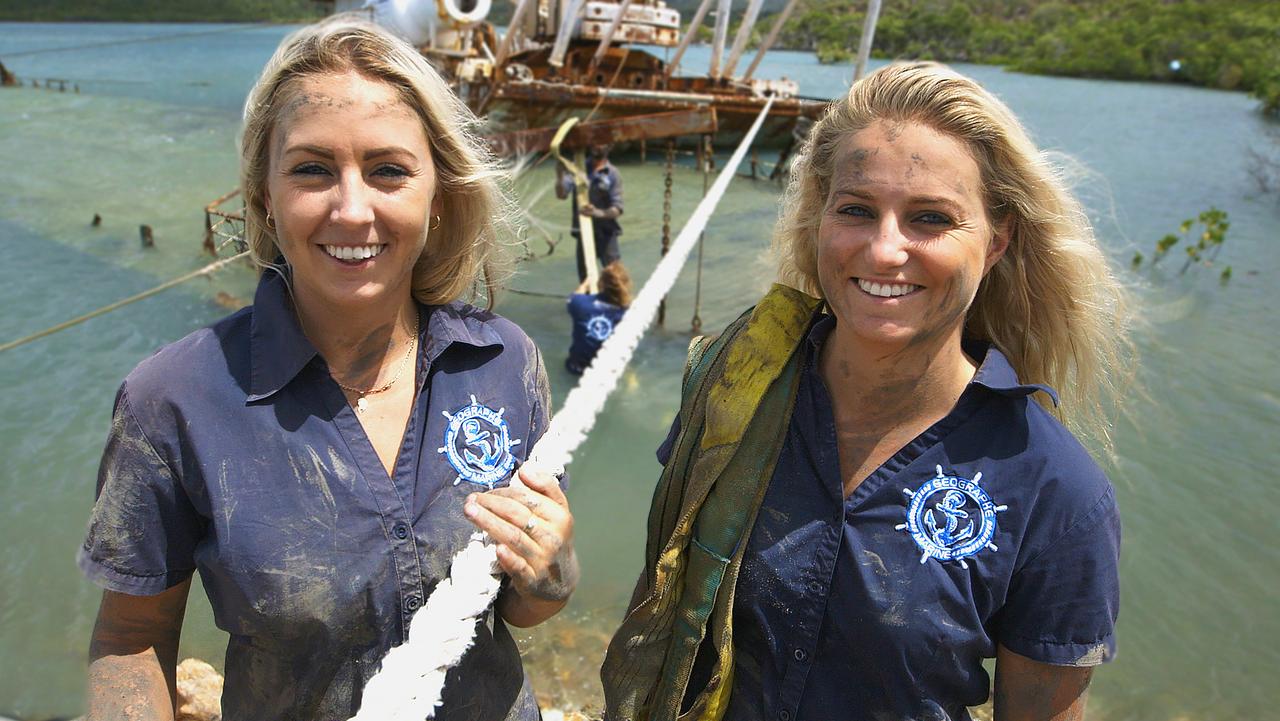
[476, 437]
[951, 506]
[969, 517]
[479, 427]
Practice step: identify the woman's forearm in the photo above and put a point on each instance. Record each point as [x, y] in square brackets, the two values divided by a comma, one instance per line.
[131, 687]
[133, 656]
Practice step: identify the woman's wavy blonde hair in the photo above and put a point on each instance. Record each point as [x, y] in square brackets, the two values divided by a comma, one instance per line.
[465, 253]
[1053, 304]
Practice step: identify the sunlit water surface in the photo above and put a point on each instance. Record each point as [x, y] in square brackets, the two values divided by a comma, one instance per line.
[150, 138]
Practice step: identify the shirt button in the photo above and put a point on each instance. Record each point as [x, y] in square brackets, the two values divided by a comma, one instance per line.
[785, 715]
[412, 603]
[401, 530]
[800, 655]
[815, 587]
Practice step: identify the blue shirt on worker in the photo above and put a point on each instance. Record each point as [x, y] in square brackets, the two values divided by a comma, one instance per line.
[604, 190]
[993, 527]
[593, 322]
[233, 452]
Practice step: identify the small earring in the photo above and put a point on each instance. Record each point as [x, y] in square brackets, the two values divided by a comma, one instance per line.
[437, 225]
[270, 225]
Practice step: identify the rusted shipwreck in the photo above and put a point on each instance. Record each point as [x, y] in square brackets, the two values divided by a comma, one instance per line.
[595, 59]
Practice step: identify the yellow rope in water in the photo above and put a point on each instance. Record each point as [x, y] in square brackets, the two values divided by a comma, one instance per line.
[121, 303]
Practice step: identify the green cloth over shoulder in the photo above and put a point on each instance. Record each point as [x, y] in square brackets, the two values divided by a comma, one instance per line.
[738, 394]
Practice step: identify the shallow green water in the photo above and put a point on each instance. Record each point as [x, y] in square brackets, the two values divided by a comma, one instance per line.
[150, 139]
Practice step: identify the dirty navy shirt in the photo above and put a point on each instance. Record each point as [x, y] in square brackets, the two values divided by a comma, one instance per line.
[233, 452]
[993, 527]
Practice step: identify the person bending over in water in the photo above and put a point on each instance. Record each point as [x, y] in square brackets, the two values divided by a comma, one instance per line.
[596, 314]
[869, 488]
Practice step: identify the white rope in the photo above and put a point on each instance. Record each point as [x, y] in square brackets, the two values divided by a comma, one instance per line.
[408, 686]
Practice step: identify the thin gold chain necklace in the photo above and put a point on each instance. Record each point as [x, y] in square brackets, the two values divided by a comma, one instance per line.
[362, 402]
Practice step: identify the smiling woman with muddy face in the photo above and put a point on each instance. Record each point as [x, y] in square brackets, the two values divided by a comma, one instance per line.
[321, 456]
[871, 486]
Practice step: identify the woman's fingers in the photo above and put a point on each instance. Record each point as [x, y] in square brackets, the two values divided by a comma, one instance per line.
[545, 484]
[533, 527]
[500, 526]
[515, 566]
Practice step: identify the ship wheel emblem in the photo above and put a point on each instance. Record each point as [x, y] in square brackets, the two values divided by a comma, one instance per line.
[478, 443]
[951, 517]
[599, 328]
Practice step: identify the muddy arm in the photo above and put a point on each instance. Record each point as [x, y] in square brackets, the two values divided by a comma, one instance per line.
[1028, 690]
[133, 656]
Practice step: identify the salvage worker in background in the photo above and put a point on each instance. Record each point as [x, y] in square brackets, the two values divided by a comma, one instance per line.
[595, 315]
[605, 193]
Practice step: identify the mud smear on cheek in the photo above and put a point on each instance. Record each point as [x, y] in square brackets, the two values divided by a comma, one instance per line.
[942, 317]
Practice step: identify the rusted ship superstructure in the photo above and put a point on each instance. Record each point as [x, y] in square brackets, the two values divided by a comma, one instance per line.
[596, 59]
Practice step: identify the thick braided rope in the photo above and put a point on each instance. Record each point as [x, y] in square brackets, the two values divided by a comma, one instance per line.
[408, 687]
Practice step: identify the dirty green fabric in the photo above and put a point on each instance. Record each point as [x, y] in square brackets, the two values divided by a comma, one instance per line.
[738, 393]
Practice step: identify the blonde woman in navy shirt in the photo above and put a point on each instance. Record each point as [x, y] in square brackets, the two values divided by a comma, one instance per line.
[875, 484]
[320, 456]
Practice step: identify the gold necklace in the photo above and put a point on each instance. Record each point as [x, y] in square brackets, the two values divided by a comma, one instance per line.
[362, 403]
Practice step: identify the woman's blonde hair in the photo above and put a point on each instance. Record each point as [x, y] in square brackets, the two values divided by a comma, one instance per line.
[1052, 304]
[465, 253]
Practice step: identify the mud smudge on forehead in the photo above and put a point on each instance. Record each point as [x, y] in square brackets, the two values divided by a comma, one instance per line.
[850, 169]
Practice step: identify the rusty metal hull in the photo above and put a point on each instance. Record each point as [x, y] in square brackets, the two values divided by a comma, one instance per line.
[541, 105]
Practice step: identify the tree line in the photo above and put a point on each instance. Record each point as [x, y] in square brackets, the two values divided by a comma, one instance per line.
[1228, 44]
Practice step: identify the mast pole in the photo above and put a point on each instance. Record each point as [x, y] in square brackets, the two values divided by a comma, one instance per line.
[769, 40]
[868, 33]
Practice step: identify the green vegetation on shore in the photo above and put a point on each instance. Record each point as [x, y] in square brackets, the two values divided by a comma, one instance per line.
[1229, 44]
[207, 11]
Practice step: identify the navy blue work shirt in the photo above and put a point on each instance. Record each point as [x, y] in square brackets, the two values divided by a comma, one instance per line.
[994, 526]
[604, 190]
[593, 322]
[232, 451]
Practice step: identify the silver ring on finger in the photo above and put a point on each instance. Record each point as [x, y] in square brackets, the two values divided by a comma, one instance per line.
[529, 525]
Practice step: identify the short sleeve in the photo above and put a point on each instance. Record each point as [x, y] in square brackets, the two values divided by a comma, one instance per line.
[143, 529]
[1062, 604]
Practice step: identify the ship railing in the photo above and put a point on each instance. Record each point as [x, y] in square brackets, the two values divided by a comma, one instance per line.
[224, 224]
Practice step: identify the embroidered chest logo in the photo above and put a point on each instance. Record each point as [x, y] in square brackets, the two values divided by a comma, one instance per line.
[951, 517]
[478, 443]
[599, 327]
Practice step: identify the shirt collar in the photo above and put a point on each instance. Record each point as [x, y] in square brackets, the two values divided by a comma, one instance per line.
[994, 371]
[279, 350]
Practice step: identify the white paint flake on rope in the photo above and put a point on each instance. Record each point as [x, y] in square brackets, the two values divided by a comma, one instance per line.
[408, 686]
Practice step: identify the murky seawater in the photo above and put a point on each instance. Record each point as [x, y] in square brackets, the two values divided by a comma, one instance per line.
[150, 138]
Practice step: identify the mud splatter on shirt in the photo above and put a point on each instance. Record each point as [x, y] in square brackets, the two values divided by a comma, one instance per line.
[233, 453]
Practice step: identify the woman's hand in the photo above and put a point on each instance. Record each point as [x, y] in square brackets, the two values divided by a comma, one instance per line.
[533, 527]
